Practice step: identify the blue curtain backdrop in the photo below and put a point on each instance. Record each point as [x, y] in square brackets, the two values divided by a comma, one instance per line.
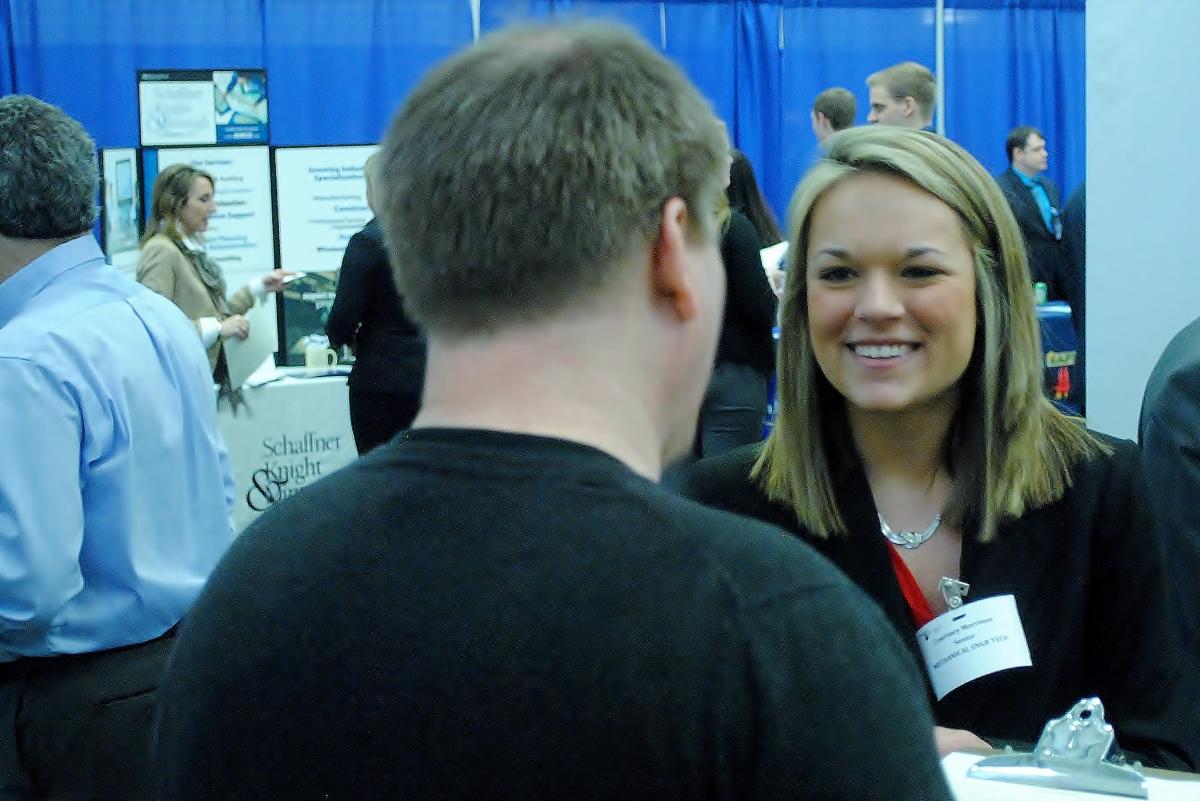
[1017, 62]
[839, 43]
[338, 68]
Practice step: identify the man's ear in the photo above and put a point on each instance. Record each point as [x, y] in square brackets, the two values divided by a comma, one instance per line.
[910, 106]
[671, 278]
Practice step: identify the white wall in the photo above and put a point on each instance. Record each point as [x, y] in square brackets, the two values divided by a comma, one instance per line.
[1143, 193]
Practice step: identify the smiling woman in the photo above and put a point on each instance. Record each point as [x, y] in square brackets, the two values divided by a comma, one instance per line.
[914, 448]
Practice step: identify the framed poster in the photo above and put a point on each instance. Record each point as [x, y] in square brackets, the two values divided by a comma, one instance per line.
[202, 107]
[119, 207]
[321, 201]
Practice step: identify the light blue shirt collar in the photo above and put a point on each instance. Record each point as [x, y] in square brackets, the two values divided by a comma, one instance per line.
[31, 279]
[1028, 180]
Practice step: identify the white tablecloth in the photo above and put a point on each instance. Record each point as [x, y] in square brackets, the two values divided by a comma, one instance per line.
[287, 434]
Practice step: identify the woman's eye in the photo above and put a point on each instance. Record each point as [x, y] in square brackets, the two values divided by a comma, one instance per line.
[919, 272]
[835, 275]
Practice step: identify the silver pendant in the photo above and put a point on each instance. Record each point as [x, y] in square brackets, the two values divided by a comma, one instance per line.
[909, 539]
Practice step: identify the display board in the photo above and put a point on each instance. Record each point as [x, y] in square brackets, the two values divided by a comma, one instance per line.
[119, 207]
[321, 202]
[202, 107]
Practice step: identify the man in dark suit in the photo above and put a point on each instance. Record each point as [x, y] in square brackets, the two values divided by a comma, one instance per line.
[1169, 431]
[1036, 204]
[1074, 239]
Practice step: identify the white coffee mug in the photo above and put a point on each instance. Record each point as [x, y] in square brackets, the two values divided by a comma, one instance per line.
[317, 356]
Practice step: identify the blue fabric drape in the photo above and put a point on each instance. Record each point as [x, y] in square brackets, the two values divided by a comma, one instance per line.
[641, 15]
[757, 127]
[709, 61]
[1017, 62]
[338, 68]
[8, 78]
[839, 43]
[84, 56]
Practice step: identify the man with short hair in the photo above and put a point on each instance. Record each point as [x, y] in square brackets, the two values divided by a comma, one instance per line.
[502, 602]
[115, 495]
[1034, 200]
[833, 111]
[904, 94]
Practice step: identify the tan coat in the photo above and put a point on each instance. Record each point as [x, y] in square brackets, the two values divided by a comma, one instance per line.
[169, 272]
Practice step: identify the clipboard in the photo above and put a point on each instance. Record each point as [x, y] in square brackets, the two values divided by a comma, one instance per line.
[245, 356]
[1072, 760]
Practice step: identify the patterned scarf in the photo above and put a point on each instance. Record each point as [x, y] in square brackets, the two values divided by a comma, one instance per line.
[214, 281]
[210, 273]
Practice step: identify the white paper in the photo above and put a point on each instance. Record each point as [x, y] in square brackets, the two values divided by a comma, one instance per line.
[246, 356]
[955, 766]
[771, 256]
[975, 640]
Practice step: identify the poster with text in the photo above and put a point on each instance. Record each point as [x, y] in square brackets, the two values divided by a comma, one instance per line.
[321, 202]
[240, 236]
[119, 202]
[202, 107]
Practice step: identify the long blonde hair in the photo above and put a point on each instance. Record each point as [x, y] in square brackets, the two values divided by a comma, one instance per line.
[1009, 449]
[167, 199]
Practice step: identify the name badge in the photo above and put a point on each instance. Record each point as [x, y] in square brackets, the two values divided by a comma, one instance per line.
[974, 640]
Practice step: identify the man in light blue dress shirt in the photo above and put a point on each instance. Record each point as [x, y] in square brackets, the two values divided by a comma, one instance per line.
[115, 492]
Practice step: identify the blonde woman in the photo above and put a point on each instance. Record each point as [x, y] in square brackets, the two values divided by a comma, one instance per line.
[913, 443]
[173, 262]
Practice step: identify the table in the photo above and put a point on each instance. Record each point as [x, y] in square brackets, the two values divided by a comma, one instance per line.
[1061, 357]
[292, 429]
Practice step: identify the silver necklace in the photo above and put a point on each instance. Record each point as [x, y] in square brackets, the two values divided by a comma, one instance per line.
[909, 539]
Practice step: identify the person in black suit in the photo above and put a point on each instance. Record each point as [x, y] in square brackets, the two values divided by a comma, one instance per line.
[1036, 204]
[1074, 238]
[389, 349]
[1169, 432]
[914, 447]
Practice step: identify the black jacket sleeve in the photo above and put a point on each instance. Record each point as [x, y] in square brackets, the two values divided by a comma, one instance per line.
[354, 282]
[1141, 644]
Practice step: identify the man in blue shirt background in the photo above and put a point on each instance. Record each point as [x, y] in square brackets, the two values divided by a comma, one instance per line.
[115, 492]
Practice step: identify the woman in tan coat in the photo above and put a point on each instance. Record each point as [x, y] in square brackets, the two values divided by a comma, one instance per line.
[174, 264]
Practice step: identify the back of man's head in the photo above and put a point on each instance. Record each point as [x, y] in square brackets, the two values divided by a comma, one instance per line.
[909, 79]
[48, 173]
[838, 105]
[522, 174]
